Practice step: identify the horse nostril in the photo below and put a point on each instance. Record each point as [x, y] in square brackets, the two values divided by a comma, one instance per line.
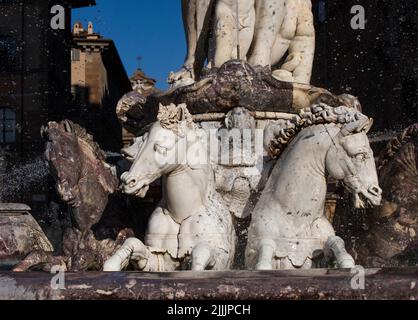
[131, 182]
[376, 191]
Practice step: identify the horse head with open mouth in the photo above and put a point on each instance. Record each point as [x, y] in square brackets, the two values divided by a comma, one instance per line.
[289, 226]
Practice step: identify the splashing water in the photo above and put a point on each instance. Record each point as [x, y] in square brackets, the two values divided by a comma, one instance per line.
[22, 178]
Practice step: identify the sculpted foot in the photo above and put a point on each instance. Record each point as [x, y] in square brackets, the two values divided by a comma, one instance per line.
[264, 266]
[283, 75]
[202, 258]
[335, 247]
[132, 249]
[266, 254]
[184, 77]
[347, 262]
[116, 263]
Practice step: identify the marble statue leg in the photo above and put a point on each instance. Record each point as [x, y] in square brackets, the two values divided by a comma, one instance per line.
[297, 38]
[246, 34]
[189, 17]
[335, 247]
[225, 33]
[302, 47]
[269, 17]
[186, 73]
[195, 15]
[208, 239]
[202, 257]
[132, 250]
[266, 252]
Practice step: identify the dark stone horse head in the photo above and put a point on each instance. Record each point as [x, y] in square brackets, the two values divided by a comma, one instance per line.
[84, 180]
[100, 219]
[392, 237]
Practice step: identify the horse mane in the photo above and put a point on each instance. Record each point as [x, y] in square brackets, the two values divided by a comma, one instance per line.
[285, 131]
[82, 134]
[393, 147]
[175, 118]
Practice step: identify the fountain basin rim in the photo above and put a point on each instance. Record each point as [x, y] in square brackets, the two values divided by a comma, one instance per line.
[13, 209]
[321, 284]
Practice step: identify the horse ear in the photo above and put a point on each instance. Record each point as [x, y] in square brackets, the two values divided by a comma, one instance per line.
[180, 114]
[369, 125]
[160, 109]
[357, 126]
[67, 126]
[44, 133]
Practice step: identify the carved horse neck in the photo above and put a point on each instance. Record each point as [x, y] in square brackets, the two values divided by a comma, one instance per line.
[298, 180]
[186, 190]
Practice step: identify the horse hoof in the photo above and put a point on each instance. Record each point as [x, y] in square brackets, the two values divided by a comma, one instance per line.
[112, 265]
[264, 266]
[198, 267]
[347, 263]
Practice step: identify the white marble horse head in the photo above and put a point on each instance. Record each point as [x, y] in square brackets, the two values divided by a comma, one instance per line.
[343, 140]
[350, 159]
[173, 143]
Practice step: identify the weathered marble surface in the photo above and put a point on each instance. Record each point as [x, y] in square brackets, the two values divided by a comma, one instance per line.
[83, 178]
[319, 284]
[320, 139]
[263, 32]
[285, 30]
[89, 243]
[19, 233]
[235, 84]
[100, 219]
[289, 228]
[191, 229]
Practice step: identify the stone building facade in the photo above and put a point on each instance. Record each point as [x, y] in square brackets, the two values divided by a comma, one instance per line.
[47, 74]
[34, 71]
[144, 85]
[98, 81]
[35, 87]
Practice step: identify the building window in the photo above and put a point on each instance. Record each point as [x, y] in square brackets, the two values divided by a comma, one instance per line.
[8, 53]
[75, 55]
[7, 126]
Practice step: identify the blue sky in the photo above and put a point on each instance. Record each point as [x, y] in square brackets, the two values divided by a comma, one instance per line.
[151, 29]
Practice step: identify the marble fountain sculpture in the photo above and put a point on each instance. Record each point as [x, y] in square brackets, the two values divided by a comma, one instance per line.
[263, 143]
[242, 91]
[262, 32]
[192, 225]
[289, 228]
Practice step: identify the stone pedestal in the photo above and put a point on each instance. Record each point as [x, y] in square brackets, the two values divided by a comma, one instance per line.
[19, 234]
